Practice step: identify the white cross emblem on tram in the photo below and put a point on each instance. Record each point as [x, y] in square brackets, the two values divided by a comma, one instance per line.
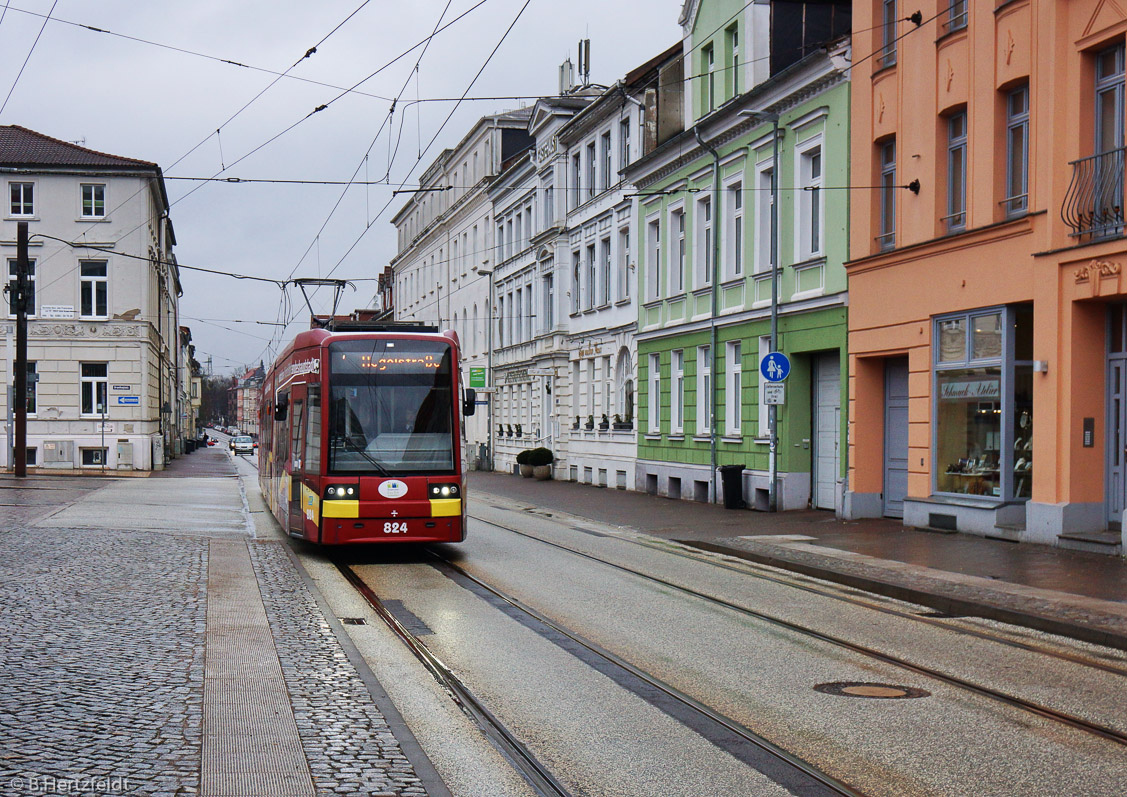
[394, 513]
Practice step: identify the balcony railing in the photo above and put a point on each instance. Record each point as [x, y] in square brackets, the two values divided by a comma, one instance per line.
[1093, 206]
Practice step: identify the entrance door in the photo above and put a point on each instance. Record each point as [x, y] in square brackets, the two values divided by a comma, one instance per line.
[297, 459]
[1116, 413]
[895, 437]
[827, 431]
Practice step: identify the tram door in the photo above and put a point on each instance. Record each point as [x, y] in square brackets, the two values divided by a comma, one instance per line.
[297, 458]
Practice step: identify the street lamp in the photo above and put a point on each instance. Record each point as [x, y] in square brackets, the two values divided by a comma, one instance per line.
[485, 271]
[772, 409]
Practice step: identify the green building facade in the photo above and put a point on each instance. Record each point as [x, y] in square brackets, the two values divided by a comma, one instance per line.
[704, 268]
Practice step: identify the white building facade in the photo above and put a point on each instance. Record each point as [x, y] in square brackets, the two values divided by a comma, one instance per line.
[103, 342]
[441, 272]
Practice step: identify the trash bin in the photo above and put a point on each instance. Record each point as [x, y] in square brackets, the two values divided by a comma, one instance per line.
[731, 478]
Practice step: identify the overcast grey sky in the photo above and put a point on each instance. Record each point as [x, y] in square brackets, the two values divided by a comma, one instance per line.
[139, 100]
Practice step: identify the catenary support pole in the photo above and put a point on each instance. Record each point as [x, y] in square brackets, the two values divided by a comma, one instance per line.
[19, 302]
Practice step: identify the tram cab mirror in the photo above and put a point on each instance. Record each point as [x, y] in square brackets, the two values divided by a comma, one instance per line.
[469, 402]
[281, 407]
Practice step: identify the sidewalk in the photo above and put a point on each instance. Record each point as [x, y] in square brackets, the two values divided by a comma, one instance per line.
[155, 643]
[1070, 593]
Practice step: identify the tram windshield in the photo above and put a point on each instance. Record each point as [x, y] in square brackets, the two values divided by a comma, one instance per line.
[391, 408]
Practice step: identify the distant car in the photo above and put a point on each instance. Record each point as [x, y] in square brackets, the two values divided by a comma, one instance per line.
[243, 444]
[211, 441]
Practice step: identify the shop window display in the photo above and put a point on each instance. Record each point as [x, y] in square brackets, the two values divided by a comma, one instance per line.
[984, 403]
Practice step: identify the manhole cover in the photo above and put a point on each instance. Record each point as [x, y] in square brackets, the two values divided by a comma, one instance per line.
[877, 691]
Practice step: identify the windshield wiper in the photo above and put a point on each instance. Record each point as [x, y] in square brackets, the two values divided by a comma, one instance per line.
[379, 466]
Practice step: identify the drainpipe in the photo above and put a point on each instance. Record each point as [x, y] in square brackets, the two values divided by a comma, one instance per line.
[715, 305]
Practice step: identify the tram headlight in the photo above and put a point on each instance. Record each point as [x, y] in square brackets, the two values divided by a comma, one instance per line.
[444, 491]
[340, 492]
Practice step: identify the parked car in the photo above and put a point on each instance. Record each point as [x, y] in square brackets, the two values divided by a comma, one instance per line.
[243, 444]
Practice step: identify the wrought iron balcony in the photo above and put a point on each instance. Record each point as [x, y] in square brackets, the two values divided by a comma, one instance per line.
[1093, 206]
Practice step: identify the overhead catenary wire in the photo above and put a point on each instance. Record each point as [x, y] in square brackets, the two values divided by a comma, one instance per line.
[28, 58]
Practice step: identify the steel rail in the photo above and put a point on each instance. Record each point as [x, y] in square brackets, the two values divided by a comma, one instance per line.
[522, 760]
[984, 691]
[833, 785]
[756, 570]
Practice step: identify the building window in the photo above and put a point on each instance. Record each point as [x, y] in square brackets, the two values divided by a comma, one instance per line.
[12, 272]
[763, 214]
[94, 378]
[518, 317]
[549, 303]
[708, 54]
[606, 272]
[677, 393]
[734, 50]
[608, 167]
[705, 245]
[810, 203]
[984, 403]
[655, 394]
[624, 143]
[734, 231]
[591, 388]
[590, 169]
[575, 282]
[93, 201]
[704, 390]
[764, 430]
[733, 393]
[23, 198]
[955, 17]
[887, 237]
[653, 251]
[1017, 151]
[93, 456]
[500, 322]
[592, 284]
[624, 264]
[92, 291]
[677, 265]
[956, 218]
[888, 21]
[576, 171]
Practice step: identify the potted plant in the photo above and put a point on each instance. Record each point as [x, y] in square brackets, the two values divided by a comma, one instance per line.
[500, 430]
[523, 463]
[519, 433]
[604, 423]
[576, 424]
[620, 424]
[508, 430]
[541, 461]
[590, 422]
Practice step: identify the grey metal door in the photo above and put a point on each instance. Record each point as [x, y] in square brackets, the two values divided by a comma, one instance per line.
[895, 436]
[1116, 411]
[827, 431]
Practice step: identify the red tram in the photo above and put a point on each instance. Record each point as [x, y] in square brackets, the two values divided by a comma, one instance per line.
[361, 437]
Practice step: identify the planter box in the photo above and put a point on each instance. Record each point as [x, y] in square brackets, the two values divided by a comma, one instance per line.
[541, 472]
[525, 470]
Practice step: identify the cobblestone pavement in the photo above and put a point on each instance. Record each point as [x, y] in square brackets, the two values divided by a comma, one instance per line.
[102, 646]
[348, 744]
[101, 643]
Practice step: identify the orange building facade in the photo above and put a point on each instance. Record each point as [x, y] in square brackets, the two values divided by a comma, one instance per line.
[987, 339]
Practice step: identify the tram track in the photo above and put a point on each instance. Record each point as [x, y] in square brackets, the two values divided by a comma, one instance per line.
[724, 732]
[1029, 706]
[762, 573]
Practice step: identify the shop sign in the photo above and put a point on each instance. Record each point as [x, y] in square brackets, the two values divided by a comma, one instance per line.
[971, 389]
[57, 311]
[477, 377]
[516, 375]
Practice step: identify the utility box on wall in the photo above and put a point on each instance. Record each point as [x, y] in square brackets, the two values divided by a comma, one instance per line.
[124, 455]
[58, 453]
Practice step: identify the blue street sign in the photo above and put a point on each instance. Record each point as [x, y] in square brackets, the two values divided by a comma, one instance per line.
[775, 367]
[128, 399]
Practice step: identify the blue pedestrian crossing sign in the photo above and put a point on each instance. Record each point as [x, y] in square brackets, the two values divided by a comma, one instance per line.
[775, 367]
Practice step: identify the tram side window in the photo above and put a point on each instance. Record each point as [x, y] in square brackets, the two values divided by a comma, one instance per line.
[298, 416]
[313, 431]
[282, 449]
